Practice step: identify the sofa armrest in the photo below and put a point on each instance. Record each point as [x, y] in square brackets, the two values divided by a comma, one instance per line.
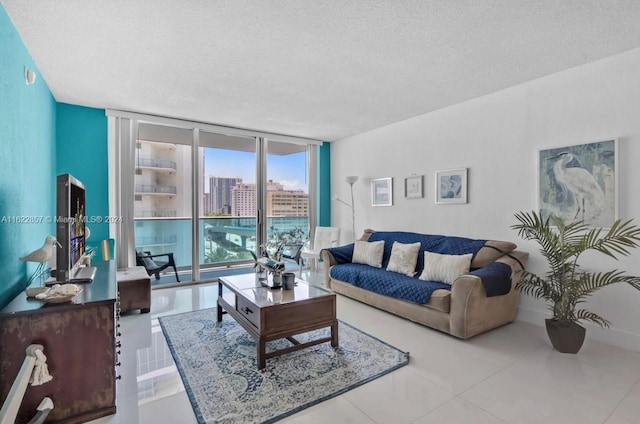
[329, 260]
[334, 256]
[472, 312]
[341, 254]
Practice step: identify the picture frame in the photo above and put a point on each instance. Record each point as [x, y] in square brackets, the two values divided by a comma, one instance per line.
[451, 186]
[382, 192]
[580, 183]
[413, 187]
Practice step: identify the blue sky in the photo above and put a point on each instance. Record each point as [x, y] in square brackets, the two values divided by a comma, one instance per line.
[289, 170]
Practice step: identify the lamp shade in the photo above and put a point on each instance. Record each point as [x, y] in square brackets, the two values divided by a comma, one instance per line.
[351, 179]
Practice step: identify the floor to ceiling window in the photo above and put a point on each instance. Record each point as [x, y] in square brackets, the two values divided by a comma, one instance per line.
[163, 191]
[212, 198]
[228, 211]
[287, 197]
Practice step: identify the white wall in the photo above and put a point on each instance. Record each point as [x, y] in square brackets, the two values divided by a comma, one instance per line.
[497, 137]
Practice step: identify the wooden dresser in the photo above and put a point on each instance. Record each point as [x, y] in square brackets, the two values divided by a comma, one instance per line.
[79, 340]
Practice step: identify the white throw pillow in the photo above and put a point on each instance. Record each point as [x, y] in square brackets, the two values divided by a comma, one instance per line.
[403, 258]
[368, 253]
[444, 268]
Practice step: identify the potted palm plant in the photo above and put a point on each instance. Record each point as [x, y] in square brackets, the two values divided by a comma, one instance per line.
[566, 284]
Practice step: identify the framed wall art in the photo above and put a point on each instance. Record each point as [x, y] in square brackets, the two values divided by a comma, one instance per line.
[580, 183]
[451, 186]
[382, 192]
[413, 187]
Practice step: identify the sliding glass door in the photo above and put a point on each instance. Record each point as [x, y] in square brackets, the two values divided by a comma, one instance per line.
[229, 209]
[163, 192]
[210, 195]
[287, 194]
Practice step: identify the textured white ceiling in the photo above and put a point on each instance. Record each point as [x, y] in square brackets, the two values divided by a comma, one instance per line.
[323, 69]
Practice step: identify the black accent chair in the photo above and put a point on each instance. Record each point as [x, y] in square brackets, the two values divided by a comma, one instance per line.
[153, 267]
[292, 252]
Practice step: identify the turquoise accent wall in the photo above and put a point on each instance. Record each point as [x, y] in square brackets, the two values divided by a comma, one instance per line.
[324, 185]
[82, 152]
[27, 174]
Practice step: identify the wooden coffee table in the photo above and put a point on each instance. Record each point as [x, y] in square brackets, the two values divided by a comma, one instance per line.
[271, 314]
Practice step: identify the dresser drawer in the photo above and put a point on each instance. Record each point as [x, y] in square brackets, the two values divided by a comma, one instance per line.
[248, 310]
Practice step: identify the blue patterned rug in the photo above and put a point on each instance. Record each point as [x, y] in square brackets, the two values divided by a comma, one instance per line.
[217, 363]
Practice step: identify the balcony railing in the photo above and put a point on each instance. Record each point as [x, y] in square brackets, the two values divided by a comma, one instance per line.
[224, 241]
[155, 189]
[156, 163]
[156, 214]
[156, 240]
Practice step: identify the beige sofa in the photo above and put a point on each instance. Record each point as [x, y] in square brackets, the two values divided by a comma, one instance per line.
[463, 311]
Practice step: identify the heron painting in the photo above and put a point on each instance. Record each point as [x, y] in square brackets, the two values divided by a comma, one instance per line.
[579, 183]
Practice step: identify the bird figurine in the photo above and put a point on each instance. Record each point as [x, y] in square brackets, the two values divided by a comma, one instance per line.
[44, 253]
[41, 255]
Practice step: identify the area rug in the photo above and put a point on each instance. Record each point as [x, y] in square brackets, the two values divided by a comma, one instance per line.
[217, 363]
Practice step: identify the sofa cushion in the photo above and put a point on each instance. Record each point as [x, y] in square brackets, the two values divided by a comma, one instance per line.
[492, 250]
[368, 253]
[403, 258]
[448, 245]
[440, 300]
[386, 283]
[444, 268]
[487, 252]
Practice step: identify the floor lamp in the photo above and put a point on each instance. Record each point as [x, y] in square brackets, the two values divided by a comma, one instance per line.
[350, 180]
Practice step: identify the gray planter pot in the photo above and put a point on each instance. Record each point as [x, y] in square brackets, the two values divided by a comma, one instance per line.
[565, 336]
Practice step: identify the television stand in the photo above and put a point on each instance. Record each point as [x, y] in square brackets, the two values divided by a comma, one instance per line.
[79, 339]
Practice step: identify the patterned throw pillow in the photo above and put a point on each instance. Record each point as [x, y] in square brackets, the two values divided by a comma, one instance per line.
[368, 253]
[444, 268]
[403, 258]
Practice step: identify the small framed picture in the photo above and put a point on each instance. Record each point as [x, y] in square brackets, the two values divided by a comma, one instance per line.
[451, 186]
[382, 192]
[413, 187]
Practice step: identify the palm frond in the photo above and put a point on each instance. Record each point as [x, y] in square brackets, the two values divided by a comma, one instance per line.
[583, 314]
[565, 284]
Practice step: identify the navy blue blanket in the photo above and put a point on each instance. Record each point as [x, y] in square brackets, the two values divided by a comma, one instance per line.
[496, 278]
[342, 254]
[445, 245]
[387, 283]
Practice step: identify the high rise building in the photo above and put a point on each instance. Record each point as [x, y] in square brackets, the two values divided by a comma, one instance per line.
[220, 202]
[243, 200]
[287, 203]
[280, 202]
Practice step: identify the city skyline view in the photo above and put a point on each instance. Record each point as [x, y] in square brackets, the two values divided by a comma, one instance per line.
[288, 170]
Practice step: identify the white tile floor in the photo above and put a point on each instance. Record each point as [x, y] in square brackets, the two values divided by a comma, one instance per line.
[509, 375]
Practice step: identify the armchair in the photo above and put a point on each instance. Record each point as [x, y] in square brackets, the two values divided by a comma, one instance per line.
[323, 238]
[293, 252]
[153, 267]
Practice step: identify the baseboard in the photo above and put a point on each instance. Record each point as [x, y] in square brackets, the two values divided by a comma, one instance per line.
[612, 336]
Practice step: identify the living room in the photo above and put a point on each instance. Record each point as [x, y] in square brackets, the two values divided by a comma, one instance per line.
[496, 136]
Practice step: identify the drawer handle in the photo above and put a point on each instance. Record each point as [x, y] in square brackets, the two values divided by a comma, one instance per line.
[247, 310]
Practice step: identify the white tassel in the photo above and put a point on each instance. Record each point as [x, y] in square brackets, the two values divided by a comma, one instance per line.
[40, 374]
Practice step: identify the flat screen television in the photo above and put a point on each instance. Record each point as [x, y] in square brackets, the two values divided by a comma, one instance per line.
[70, 226]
